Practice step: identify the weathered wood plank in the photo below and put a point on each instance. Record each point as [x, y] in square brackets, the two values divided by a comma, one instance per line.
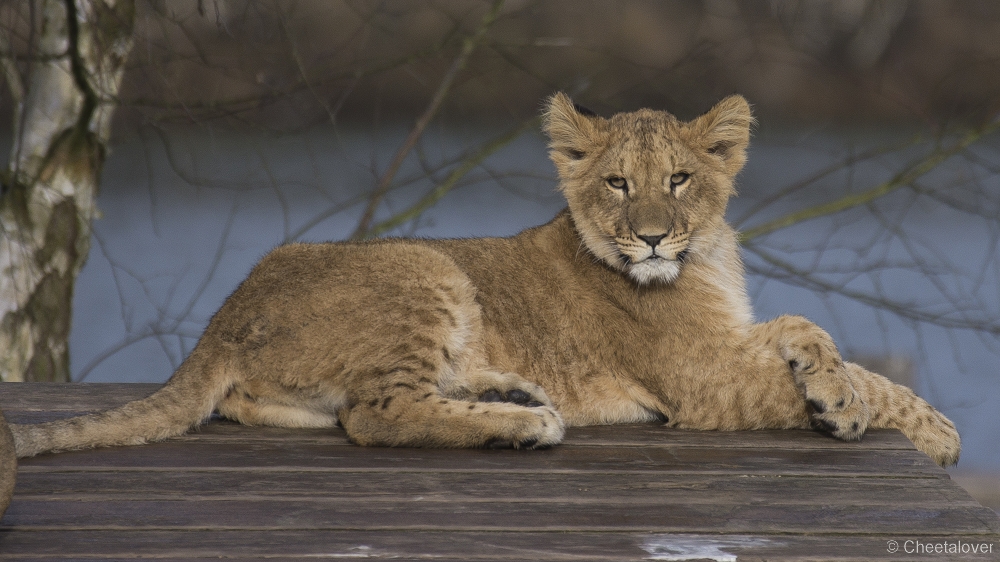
[608, 488]
[626, 435]
[642, 435]
[506, 546]
[609, 493]
[309, 456]
[333, 514]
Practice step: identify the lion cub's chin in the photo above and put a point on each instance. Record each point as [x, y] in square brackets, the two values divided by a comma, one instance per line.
[654, 270]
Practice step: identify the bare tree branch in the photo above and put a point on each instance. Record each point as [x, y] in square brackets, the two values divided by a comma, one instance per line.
[903, 178]
[807, 278]
[468, 46]
[442, 189]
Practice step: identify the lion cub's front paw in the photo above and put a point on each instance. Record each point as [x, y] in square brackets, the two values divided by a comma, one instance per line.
[834, 405]
[847, 420]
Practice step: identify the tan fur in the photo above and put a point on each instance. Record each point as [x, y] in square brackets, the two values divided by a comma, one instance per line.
[628, 307]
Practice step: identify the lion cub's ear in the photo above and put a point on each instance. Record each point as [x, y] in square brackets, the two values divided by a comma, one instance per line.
[571, 129]
[724, 132]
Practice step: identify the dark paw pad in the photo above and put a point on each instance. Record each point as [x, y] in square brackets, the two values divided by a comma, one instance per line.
[824, 426]
[499, 444]
[527, 443]
[491, 395]
[816, 406]
[516, 396]
[506, 444]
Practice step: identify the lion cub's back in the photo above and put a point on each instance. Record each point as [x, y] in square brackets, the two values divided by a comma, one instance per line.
[310, 308]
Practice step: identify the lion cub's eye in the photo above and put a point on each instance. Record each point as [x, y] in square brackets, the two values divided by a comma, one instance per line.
[616, 182]
[678, 183]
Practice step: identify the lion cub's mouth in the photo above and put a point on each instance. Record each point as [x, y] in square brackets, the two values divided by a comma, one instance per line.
[653, 268]
[654, 257]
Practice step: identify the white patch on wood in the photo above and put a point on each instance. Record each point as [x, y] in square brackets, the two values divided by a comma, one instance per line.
[362, 551]
[699, 547]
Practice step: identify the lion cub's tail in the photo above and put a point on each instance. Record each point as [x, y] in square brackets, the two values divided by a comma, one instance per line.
[186, 400]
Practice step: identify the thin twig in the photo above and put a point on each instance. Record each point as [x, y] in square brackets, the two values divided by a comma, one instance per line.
[468, 46]
[903, 178]
[442, 189]
[805, 278]
[846, 163]
[254, 101]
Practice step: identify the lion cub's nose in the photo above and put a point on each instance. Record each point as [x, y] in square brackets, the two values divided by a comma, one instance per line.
[652, 240]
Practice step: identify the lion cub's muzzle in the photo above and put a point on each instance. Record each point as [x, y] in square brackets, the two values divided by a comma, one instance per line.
[654, 258]
[661, 246]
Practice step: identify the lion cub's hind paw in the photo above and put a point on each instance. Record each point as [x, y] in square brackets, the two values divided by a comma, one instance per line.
[519, 413]
[515, 396]
[526, 427]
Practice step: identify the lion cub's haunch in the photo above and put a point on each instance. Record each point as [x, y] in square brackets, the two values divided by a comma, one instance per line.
[629, 306]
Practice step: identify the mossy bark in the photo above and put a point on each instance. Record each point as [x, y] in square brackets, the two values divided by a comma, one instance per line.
[48, 197]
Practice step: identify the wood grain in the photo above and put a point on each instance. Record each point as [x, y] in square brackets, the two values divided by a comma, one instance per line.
[310, 456]
[415, 545]
[633, 492]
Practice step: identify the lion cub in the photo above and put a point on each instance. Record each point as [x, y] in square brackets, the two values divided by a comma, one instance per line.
[629, 306]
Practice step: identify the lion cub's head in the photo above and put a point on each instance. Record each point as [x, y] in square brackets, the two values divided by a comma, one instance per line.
[645, 190]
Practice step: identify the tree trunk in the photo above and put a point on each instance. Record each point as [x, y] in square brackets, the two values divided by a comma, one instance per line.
[48, 198]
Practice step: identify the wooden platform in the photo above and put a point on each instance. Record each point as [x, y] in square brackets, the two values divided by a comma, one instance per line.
[638, 492]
